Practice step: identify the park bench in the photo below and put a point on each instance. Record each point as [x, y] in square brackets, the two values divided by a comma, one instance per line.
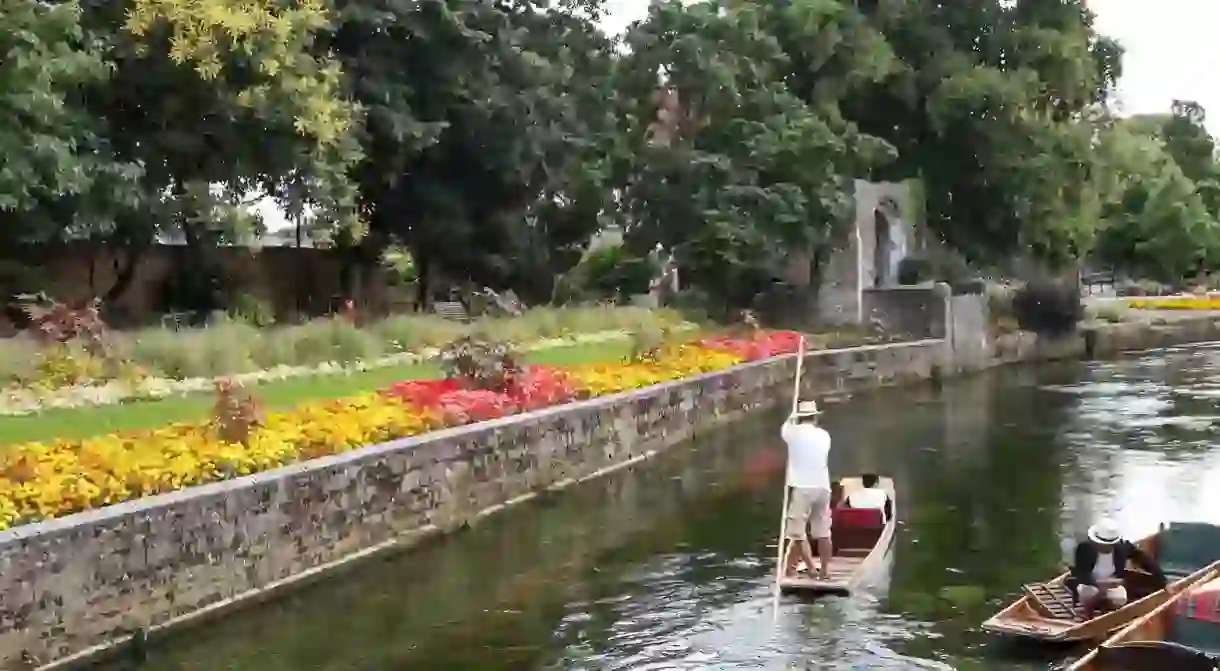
[175, 321]
[453, 310]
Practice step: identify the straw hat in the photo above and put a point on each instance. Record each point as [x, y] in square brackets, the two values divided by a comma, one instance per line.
[807, 409]
[1105, 532]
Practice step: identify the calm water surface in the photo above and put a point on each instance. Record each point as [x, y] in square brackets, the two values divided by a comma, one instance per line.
[668, 566]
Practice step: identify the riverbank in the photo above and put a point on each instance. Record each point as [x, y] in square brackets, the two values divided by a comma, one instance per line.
[78, 585]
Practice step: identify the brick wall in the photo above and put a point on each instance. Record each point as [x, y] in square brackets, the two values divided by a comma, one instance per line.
[287, 278]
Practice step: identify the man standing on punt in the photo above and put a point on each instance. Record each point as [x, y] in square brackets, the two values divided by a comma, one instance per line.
[1101, 566]
[809, 477]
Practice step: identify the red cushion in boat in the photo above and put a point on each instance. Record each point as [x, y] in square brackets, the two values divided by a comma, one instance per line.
[858, 517]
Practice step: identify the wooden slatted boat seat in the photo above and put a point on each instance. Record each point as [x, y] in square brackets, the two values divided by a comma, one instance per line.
[1054, 601]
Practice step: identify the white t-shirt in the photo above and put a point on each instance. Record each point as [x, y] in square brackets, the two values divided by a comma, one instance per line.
[868, 497]
[808, 451]
[1104, 568]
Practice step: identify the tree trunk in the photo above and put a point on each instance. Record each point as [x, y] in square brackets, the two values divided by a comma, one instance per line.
[125, 274]
[423, 299]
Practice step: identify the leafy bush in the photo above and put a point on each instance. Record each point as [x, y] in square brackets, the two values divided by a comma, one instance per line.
[399, 265]
[613, 271]
[479, 364]
[236, 413]
[251, 309]
[1047, 307]
[62, 365]
[647, 343]
[55, 322]
[913, 270]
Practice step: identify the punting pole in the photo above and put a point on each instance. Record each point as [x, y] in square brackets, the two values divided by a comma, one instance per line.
[783, 512]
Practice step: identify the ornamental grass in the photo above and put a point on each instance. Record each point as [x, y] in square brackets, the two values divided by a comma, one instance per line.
[229, 347]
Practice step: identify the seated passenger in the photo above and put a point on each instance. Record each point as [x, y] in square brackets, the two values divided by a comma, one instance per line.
[872, 497]
[1100, 567]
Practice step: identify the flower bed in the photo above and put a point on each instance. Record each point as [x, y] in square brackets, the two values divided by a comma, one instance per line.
[27, 401]
[50, 479]
[1193, 302]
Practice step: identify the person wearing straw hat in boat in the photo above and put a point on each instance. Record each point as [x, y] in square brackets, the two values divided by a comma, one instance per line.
[1100, 567]
[809, 477]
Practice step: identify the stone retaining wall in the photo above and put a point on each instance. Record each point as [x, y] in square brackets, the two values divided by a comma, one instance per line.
[921, 312]
[72, 586]
[1103, 340]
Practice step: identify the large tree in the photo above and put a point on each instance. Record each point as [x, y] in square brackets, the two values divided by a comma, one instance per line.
[1156, 222]
[130, 119]
[1187, 141]
[733, 170]
[58, 173]
[484, 131]
[990, 106]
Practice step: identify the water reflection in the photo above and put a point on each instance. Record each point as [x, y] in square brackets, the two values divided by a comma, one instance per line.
[667, 566]
[1141, 437]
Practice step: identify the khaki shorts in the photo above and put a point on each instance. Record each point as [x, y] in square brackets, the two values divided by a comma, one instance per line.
[808, 506]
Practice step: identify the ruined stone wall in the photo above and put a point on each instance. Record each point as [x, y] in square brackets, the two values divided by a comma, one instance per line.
[919, 312]
[89, 579]
[851, 269]
[968, 323]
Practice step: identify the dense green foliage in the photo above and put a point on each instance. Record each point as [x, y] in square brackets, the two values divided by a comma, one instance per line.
[489, 141]
[1048, 307]
[1162, 214]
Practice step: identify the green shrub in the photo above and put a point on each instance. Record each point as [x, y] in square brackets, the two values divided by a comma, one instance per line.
[251, 309]
[1048, 307]
[613, 271]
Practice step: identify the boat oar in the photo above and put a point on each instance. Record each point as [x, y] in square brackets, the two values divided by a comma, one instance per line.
[783, 512]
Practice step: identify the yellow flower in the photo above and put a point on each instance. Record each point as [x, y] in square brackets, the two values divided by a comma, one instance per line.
[40, 480]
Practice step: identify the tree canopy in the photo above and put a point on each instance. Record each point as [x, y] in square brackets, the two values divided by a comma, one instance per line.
[490, 141]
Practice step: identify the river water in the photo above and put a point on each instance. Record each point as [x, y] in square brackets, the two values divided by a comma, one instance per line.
[668, 565]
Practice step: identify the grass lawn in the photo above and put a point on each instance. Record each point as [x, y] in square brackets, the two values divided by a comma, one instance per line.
[72, 423]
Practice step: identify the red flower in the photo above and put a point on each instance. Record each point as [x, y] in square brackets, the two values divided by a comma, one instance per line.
[533, 388]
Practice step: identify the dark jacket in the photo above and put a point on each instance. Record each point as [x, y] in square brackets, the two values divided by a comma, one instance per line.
[1086, 559]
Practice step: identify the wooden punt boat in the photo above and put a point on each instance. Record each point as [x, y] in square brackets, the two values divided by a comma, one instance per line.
[1183, 634]
[861, 540]
[1049, 611]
